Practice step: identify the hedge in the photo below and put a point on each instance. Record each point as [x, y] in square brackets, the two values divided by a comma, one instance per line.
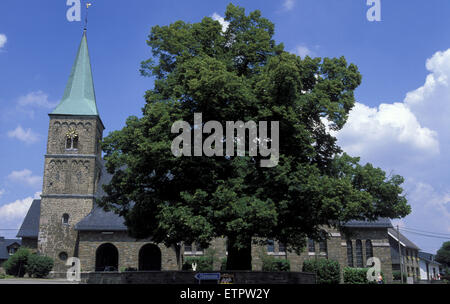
[39, 266]
[274, 264]
[204, 263]
[357, 276]
[327, 271]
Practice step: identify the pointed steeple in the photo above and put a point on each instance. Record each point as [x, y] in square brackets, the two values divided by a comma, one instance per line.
[79, 96]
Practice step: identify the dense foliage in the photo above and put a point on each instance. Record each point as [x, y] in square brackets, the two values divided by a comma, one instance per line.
[443, 255]
[39, 266]
[358, 276]
[16, 265]
[273, 264]
[327, 271]
[242, 74]
[204, 263]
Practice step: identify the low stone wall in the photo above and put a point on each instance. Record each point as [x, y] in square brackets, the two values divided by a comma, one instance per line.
[187, 277]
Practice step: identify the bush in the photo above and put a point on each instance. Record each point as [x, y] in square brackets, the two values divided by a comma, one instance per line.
[327, 271]
[396, 275]
[204, 263]
[273, 264]
[17, 263]
[358, 276]
[39, 266]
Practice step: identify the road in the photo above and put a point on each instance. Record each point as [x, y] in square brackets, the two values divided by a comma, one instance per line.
[36, 281]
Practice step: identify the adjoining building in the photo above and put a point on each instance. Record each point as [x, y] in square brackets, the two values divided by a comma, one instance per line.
[66, 222]
[429, 268]
[7, 248]
[409, 255]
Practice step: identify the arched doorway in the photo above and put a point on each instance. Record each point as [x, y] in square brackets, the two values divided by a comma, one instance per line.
[107, 258]
[149, 258]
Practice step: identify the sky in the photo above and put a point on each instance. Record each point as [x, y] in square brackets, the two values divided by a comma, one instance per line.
[400, 122]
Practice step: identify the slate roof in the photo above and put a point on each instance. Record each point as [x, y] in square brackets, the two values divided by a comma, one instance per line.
[4, 243]
[30, 225]
[98, 219]
[380, 223]
[403, 239]
[428, 257]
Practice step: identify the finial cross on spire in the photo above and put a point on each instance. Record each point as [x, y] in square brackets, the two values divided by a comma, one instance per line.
[88, 4]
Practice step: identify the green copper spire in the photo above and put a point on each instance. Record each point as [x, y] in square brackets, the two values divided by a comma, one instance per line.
[79, 96]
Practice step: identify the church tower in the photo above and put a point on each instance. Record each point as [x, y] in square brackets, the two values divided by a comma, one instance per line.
[72, 163]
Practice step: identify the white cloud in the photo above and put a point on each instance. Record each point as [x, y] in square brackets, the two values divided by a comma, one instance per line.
[17, 209]
[374, 129]
[2, 191]
[3, 40]
[411, 138]
[288, 4]
[303, 51]
[38, 98]
[27, 136]
[221, 20]
[25, 176]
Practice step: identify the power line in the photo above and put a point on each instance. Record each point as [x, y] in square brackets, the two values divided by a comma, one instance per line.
[423, 231]
[427, 235]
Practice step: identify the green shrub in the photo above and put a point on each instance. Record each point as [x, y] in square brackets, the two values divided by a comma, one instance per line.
[396, 275]
[358, 276]
[39, 266]
[274, 264]
[327, 271]
[17, 263]
[204, 263]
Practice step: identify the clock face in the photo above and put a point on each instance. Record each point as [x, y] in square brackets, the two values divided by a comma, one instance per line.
[72, 133]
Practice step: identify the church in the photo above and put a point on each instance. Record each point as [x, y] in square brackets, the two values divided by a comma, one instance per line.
[66, 222]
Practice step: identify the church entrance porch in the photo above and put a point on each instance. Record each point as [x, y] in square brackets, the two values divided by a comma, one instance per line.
[149, 258]
[107, 258]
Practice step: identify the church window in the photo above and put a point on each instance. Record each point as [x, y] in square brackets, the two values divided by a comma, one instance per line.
[270, 246]
[72, 140]
[281, 247]
[349, 253]
[65, 219]
[311, 245]
[63, 256]
[187, 247]
[369, 249]
[323, 248]
[359, 254]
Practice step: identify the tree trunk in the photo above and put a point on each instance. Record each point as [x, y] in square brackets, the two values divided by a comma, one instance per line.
[239, 258]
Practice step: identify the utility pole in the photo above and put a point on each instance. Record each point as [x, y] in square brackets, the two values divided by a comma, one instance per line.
[400, 255]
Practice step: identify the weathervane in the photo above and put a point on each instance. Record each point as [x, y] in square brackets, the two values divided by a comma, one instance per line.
[88, 4]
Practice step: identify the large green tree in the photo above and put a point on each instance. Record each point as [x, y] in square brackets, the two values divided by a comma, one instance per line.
[242, 74]
[443, 255]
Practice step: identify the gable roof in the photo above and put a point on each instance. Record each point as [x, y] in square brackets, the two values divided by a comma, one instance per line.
[4, 244]
[30, 225]
[428, 257]
[404, 241]
[79, 95]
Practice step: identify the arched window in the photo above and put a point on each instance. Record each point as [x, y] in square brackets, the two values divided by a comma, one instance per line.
[349, 253]
[369, 249]
[323, 248]
[311, 245]
[359, 254]
[188, 247]
[65, 219]
[72, 140]
[270, 246]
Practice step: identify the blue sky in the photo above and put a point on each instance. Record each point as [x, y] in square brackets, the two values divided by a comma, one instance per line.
[400, 122]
